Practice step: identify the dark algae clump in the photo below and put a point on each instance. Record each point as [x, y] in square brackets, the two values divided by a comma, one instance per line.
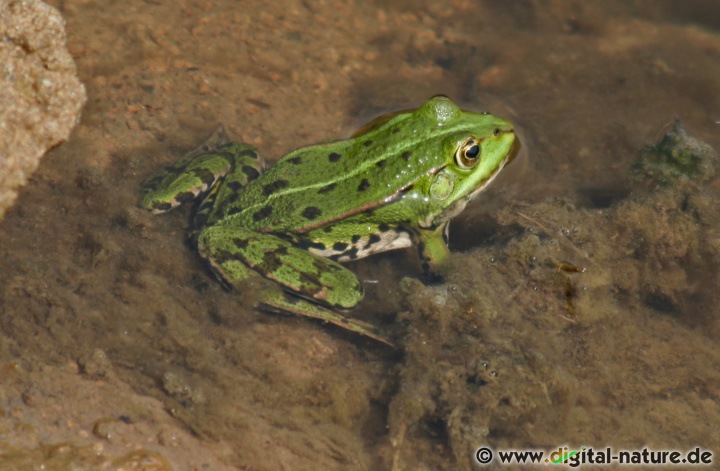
[677, 157]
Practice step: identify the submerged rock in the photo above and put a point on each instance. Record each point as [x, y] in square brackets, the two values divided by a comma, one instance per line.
[40, 94]
[677, 156]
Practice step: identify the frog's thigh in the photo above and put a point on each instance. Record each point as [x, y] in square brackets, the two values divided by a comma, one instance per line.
[246, 166]
[227, 248]
[193, 175]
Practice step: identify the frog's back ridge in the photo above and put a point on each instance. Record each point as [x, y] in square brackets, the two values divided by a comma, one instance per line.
[345, 183]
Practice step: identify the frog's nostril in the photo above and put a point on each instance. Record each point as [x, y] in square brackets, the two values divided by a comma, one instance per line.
[496, 132]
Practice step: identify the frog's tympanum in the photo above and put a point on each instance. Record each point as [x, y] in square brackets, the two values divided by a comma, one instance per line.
[396, 183]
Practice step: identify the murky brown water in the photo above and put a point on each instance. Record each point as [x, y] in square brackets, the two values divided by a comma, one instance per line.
[113, 335]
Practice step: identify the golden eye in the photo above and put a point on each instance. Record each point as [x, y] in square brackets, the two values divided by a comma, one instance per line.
[467, 154]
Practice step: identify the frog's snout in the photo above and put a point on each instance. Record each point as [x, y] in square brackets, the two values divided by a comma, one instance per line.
[515, 149]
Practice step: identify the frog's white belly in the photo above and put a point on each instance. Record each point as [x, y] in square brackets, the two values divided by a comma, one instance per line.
[389, 240]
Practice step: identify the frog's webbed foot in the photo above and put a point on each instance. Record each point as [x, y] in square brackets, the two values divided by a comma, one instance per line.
[281, 302]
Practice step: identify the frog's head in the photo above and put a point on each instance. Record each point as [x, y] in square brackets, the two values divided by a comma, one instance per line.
[475, 146]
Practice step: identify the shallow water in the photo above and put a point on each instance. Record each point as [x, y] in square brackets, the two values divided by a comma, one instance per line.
[511, 352]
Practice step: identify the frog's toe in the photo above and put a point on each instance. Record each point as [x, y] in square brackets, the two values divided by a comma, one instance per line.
[287, 303]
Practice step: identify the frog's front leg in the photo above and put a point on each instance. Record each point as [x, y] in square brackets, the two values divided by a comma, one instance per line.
[232, 251]
[433, 250]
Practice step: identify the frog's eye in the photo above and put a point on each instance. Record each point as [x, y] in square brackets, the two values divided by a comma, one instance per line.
[467, 154]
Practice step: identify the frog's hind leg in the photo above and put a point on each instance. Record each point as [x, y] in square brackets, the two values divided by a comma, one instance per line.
[192, 176]
[236, 253]
[245, 167]
[282, 302]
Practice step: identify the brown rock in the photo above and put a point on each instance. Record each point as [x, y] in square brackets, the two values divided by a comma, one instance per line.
[40, 94]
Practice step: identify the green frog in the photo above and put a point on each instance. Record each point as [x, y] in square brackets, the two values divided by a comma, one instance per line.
[396, 183]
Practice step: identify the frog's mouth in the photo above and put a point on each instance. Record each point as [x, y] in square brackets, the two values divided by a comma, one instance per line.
[514, 150]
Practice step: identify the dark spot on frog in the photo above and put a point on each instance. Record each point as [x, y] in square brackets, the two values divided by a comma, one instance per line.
[241, 243]
[287, 237]
[406, 155]
[205, 175]
[271, 262]
[354, 239]
[327, 267]
[381, 163]
[295, 160]
[251, 172]
[234, 185]
[162, 207]
[327, 188]
[271, 188]
[219, 257]
[374, 239]
[311, 212]
[352, 253]
[185, 197]
[312, 281]
[383, 227]
[308, 244]
[367, 143]
[340, 246]
[334, 157]
[281, 251]
[227, 155]
[248, 153]
[263, 213]
[364, 185]
[396, 130]
[290, 299]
